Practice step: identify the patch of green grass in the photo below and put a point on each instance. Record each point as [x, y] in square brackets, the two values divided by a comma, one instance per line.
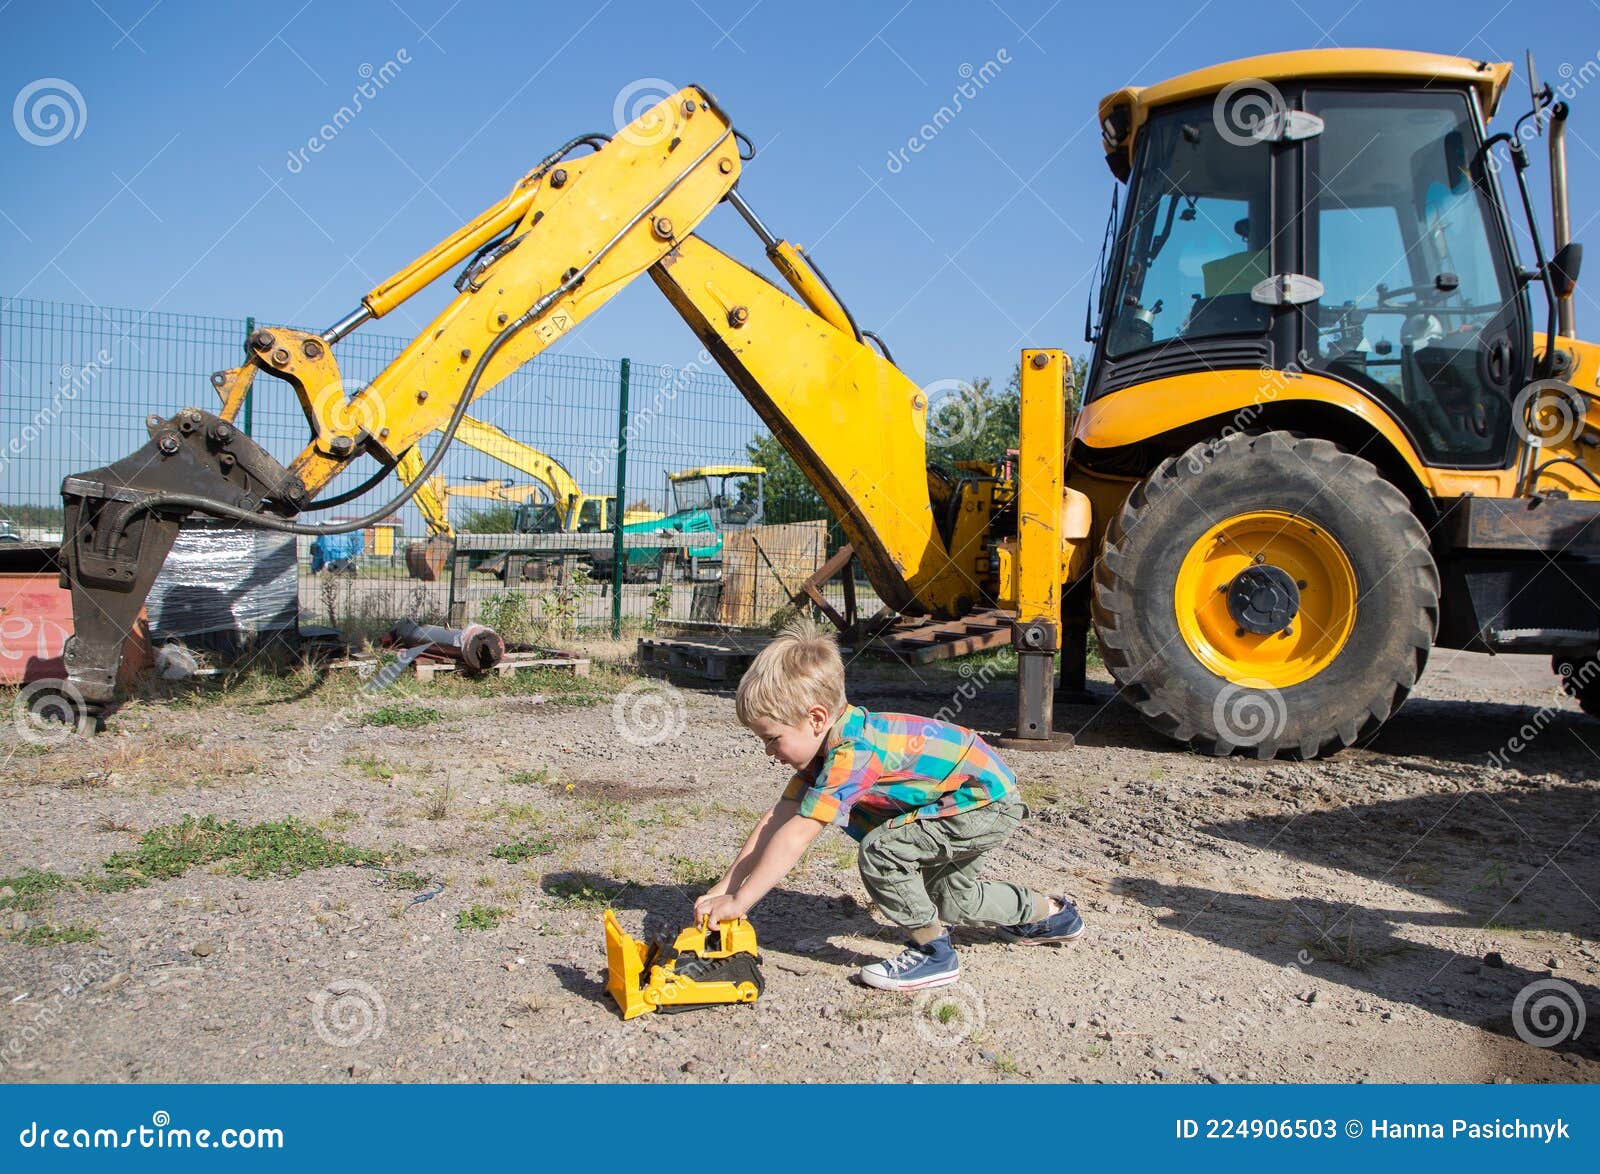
[30, 888]
[406, 717]
[694, 873]
[530, 778]
[574, 894]
[481, 917]
[285, 848]
[520, 850]
[51, 935]
[407, 880]
[372, 766]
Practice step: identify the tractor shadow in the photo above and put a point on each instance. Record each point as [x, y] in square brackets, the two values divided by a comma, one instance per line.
[1508, 874]
[1312, 942]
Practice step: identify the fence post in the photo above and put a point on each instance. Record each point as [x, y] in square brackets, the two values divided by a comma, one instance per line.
[244, 412]
[618, 552]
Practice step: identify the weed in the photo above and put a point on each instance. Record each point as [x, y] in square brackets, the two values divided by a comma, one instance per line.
[438, 805]
[530, 778]
[50, 935]
[285, 848]
[1348, 950]
[372, 766]
[573, 894]
[695, 873]
[481, 917]
[30, 888]
[520, 850]
[1005, 1064]
[408, 881]
[404, 716]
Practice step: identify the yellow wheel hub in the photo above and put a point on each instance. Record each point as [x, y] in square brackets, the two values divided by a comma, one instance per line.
[1267, 598]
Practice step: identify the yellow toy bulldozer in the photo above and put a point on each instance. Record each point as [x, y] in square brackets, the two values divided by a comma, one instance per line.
[702, 968]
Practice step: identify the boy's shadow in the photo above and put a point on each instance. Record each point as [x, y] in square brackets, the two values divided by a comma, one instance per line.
[787, 922]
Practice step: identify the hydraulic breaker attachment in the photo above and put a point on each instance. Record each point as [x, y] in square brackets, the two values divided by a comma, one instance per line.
[701, 968]
[112, 551]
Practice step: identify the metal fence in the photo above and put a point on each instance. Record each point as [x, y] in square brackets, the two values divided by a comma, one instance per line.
[77, 381]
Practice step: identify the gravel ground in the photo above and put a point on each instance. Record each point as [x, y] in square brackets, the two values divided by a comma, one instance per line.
[1370, 917]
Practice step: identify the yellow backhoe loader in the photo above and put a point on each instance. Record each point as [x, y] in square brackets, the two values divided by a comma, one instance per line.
[569, 510]
[1319, 434]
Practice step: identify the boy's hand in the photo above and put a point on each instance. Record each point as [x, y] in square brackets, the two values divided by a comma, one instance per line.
[719, 907]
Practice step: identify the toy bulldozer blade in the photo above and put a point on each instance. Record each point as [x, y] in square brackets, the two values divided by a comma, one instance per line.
[702, 968]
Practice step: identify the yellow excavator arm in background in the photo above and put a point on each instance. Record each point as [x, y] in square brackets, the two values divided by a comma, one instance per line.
[571, 234]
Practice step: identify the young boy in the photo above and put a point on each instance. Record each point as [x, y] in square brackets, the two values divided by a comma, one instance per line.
[927, 800]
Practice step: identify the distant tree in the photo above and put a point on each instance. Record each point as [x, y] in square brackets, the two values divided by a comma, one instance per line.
[498, 519]
[790, 496]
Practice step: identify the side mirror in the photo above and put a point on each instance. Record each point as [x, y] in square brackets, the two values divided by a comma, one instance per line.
[1564, 268]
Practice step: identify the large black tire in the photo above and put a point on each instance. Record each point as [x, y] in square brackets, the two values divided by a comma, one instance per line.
[1363, 682]
[1580, 679]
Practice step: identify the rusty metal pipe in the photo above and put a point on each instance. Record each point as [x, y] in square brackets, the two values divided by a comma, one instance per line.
[476, 646]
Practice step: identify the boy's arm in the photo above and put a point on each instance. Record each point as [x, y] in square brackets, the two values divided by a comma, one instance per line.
[765, 826]
[775, 853]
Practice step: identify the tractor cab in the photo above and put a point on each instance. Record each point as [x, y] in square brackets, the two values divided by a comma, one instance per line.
[1331, 212]
[732, 495]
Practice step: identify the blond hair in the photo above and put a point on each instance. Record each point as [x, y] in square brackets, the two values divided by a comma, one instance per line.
[799, 669]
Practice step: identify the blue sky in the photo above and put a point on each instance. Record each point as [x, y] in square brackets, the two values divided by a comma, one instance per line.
[179, 191]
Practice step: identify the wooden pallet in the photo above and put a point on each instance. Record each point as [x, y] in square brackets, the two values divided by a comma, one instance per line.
[512, 664]
[921, 641]
[713, 660]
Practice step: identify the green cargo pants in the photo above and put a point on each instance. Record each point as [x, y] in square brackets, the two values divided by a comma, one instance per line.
[926, 870]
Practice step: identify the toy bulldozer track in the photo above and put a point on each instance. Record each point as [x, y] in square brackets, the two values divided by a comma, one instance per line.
[701, 968]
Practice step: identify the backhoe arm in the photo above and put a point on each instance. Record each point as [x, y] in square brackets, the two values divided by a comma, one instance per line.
[571, 234]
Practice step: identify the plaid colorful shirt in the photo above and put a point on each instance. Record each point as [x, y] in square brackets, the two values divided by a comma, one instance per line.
[891, 768]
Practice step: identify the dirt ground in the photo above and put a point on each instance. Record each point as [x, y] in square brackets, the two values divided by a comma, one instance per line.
[1371, 917]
